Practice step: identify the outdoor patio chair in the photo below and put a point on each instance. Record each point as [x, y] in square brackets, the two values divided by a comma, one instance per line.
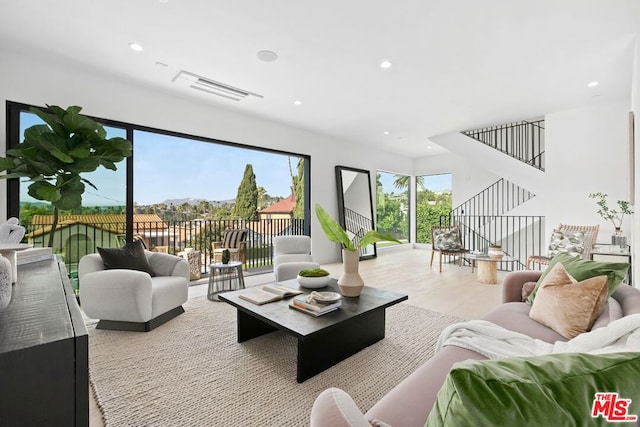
[577, 240]
[236, 241]
[447, 240]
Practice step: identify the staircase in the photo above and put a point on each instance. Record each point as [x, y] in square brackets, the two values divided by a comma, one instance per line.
[497, 199]
[523, 140]
[519, 235]
[484, 219]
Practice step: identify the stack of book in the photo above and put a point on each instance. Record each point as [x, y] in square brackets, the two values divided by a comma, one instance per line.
[313, 308]
[268, 293]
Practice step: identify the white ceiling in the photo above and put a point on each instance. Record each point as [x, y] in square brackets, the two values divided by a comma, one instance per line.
[456, 64]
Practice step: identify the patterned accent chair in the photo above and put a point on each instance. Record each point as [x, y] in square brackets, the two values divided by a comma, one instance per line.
[576, 240]
[447, 240]
[234, 240]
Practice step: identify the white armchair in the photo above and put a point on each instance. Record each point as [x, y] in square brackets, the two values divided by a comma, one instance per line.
[291, 254]
[133, 300]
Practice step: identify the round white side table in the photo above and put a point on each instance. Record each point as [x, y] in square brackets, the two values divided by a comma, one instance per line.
[224, 278]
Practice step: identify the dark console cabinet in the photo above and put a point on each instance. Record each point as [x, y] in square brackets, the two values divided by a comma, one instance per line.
[43, 351]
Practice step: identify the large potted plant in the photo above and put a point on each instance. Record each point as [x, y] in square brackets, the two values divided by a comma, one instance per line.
[350, 282]
[54, 155]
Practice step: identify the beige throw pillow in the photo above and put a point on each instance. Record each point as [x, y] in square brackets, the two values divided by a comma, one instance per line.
[567, 307]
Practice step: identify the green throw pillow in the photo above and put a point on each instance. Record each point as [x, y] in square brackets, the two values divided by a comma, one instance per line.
[550, 390]
[582, 269]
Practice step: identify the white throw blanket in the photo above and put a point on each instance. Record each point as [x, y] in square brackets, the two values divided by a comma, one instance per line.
[494, 341]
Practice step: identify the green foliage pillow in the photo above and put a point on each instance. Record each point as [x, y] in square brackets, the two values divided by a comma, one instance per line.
[550, 390]
[582, 269]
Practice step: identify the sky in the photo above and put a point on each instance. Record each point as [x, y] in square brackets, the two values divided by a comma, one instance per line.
[436, 183]
[169, 167]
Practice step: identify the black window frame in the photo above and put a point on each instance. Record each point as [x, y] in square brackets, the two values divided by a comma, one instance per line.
[13, 110]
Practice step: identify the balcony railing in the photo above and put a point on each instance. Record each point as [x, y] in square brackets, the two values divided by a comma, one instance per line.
[75, 240]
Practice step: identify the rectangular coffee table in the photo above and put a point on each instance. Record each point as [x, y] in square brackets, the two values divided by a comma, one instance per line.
[322, 341]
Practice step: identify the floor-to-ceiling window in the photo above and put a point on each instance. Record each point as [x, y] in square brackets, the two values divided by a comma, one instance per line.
[171, 191]
[205, 188]
[109, 196]
[392, 205]
[433, 201]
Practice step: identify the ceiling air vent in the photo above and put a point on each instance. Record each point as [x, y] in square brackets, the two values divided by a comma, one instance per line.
[194, 81]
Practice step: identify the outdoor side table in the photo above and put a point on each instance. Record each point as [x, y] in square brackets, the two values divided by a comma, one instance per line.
[224, 278]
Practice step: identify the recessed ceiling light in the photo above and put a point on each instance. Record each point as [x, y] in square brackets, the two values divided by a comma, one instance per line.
[267, 56]
[386, 132]
[593, 84]
[136, 47]
[297, 102]
[429, 147]
[385, 64]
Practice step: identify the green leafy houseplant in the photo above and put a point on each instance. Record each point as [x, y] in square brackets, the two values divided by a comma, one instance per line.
[615, 216]
[54, 155]
[335, 233]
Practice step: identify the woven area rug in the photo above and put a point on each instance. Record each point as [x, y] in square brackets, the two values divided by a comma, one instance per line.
[192, 372]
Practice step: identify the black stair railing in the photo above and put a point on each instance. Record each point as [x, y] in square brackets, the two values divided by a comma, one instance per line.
[520, 236]
[522, 140]
[356, 224]
[497, 199]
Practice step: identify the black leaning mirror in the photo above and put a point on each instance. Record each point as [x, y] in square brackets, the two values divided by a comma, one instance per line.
[355, 205]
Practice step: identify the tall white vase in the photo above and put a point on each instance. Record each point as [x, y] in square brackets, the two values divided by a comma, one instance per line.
[350, 282]
[5, 282]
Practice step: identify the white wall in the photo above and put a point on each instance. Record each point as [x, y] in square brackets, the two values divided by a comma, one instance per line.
[42, 80]
[586, 151]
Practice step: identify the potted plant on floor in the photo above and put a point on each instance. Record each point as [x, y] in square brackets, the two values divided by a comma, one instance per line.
[54, 155]
[350, 282]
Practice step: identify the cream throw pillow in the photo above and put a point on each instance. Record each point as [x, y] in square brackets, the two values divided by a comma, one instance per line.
[567, 307]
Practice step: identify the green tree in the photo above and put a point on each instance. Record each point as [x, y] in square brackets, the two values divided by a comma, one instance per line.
[401, 182]
[54, 156]
[298, 191]
[246, 205]
[430, 207]
[262, 198]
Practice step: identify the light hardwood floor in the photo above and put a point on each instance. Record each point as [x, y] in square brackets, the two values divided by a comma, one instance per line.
[455, 291]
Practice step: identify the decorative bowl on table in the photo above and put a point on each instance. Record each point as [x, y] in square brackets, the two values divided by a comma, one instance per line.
[313, 278]
[325, 297]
